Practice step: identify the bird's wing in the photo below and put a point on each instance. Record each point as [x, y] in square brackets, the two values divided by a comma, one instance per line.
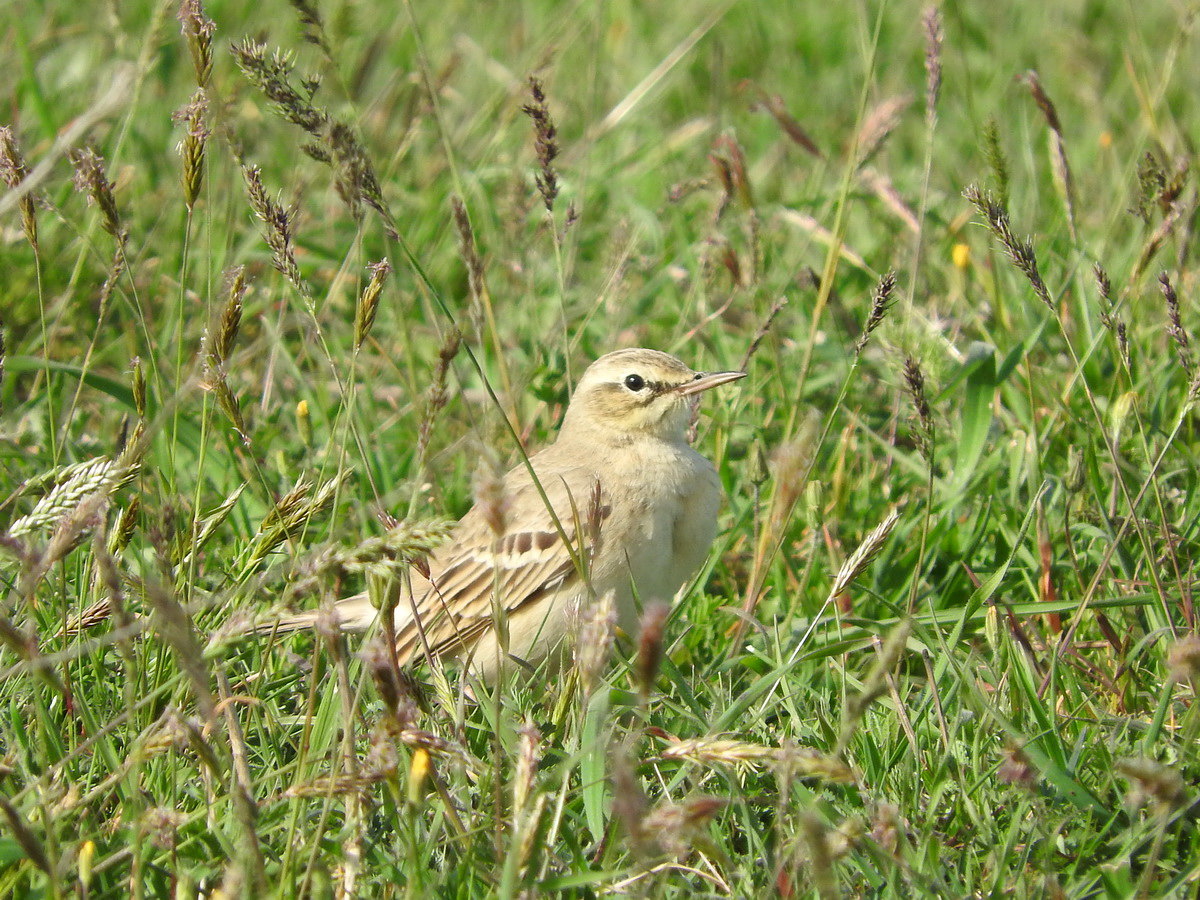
[449, 611]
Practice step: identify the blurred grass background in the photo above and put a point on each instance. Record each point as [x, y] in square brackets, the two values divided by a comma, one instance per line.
[998, 699]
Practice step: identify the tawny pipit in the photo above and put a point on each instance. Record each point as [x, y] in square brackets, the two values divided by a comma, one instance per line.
[637, 507]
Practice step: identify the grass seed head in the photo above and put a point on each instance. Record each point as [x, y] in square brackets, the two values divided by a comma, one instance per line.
[92, 181]
[545, 139]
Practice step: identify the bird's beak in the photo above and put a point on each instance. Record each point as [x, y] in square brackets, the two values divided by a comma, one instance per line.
[706, 380]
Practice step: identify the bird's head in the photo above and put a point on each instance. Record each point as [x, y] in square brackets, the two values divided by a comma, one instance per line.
[637, 392]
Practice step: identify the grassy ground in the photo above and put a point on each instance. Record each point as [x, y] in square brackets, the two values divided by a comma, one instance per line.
[992, 694]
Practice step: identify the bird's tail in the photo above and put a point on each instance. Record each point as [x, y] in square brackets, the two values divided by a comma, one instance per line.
[351, 614]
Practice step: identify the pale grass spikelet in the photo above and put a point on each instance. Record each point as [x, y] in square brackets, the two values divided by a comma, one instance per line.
[1059, 165]
[291, 513]
[677, 827]
[211, 521]
[138, 372]
[800, 761]
[368, 301]
[72, 485]
[878, 125]
[174, 625]
[193, 117]
[218, 345]
[931, 23]
[1019, 251]
[400, 547]
[1183, 660]
[198, 32]
[597, 629]
[13, 171]
[1152, 782]
[857, 562]
[529, 755]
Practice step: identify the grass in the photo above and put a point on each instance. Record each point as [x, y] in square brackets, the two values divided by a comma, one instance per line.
[214, 388]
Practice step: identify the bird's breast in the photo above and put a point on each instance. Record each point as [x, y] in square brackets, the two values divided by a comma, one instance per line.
[664, 520]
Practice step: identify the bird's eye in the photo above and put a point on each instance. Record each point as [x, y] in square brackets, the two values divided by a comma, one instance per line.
[635, 382]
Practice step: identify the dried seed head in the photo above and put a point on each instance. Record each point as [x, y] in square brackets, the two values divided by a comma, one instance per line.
[1016, 769]
[761, 333]
[878, 126]
[436, 399]
[354, 173]
[914, 380]
[91, 180]
[468, 250]
[1175, 325]
[311, 23]
[1076, 475]
[1019, 251]
[277, 229]
[729, 159]
[13, 171]
[931, 21]
[272, 75]
[676, 826]
[650, 646]
[594, 643]
[1151, 781]
[887, 827]
[491, 497]
[528, 756]
[881, 302]
[1183, 660]
[545, 137]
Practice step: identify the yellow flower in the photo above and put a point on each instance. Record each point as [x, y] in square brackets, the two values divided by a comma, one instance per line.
[961, 255]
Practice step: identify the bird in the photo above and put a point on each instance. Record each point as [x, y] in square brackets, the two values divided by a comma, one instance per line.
[626, 507]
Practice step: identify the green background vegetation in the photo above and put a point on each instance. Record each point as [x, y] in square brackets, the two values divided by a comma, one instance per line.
[1002, 701]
